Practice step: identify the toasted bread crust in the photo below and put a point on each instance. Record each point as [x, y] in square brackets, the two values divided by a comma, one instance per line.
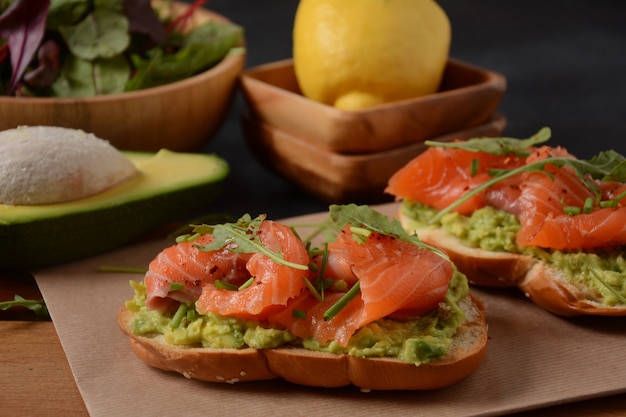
[317, 369]
[549, 289]
[483, 268]
[544, 285]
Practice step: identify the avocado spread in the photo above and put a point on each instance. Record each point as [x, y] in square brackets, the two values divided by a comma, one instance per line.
[414, 341]
[602, 274]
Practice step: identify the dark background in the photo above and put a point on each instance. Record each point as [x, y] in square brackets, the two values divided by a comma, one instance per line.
[565, 64]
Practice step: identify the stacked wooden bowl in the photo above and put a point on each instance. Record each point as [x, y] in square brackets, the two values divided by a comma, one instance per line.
[348, 156]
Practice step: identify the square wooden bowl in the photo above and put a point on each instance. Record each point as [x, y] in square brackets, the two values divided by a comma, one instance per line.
[341, 178]
[468, 97]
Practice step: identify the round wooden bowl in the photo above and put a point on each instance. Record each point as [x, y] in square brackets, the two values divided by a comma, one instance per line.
[181, 116]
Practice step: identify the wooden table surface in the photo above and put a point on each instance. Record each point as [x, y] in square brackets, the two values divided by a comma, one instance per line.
[36, 379]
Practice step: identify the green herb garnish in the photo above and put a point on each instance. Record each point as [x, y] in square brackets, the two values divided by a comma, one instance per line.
[179, 315]
[498, 146]
[364, 217]
[37, 306]
[242, 237]
[619, 296]
[122, 269]
[343, 301]
[298, 314]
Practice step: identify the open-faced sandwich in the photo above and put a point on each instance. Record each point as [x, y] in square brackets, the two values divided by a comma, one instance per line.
[251, 300]
[513, 212]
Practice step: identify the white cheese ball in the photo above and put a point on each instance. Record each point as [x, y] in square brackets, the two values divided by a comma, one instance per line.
[47, 164]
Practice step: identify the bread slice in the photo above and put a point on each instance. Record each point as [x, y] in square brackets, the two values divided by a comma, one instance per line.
[545, 285]
[318, 369]
[483, 268]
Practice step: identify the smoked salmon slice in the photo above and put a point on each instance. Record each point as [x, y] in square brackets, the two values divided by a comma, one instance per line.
[187, 265]
[274, 284]
[397, 279]
[546, 224]
[385, 275]
[539, 198]
[440, 176]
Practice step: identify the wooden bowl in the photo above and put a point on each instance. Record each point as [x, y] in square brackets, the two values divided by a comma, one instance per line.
[467, 98]
[181, 116]
[341, 178]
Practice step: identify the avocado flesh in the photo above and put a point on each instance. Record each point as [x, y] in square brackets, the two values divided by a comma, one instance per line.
[171, 186]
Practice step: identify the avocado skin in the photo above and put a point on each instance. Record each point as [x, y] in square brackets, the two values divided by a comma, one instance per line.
[61, 238]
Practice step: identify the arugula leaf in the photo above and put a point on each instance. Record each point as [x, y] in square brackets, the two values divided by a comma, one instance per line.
[38, 306]
[366, 217]
[610, 165]
[23, 29]
[242, 237]
[498, 146]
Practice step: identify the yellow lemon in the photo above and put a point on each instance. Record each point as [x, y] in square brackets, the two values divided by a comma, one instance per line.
[354, 54]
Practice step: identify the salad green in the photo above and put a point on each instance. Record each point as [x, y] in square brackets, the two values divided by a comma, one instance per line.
[82, 48]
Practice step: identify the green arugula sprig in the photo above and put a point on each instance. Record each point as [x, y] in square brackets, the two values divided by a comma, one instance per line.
[38, 306]
[605, 166]
[498, 146]
[365, 217]
[240, 237]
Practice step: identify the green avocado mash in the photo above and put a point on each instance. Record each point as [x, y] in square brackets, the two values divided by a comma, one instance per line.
[603, 272]
[414, 341]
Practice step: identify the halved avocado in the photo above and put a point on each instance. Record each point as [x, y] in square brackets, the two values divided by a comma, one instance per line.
[171, 186]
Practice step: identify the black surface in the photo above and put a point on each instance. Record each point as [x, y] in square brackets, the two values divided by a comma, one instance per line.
[565, 63]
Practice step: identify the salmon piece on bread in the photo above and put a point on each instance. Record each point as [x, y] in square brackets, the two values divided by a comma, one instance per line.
[563, 245]
[249, 301]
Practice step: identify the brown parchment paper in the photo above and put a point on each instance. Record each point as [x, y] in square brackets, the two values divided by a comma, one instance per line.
[535, 359]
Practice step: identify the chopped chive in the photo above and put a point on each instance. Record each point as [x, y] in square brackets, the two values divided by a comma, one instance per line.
[608, 203]
[360, 231]
[223, 285]
[312, 289]
[246, 284]
[298, 314]
[178, 317]
[343, 301]
[320, 279]
[474, 167]
[177, 286]
[572, 210]
[125, 269]
[588, 206]
[191, 314]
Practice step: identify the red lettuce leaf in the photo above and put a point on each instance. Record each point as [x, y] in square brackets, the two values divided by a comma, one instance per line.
[23, 25]
[142, 19]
